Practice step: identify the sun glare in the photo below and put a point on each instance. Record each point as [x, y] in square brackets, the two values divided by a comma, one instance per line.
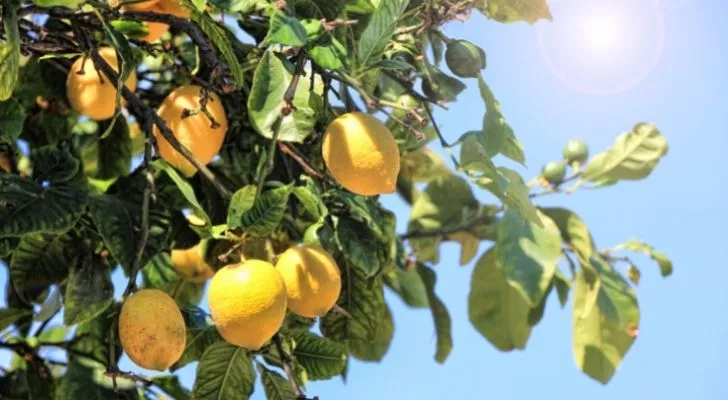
[602, 47]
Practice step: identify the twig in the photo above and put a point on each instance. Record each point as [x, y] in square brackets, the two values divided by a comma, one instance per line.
[417, 233]
[445, 145]
[293, 153]
[287, 365]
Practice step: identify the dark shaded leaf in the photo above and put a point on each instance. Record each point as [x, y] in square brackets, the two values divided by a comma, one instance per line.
[376, 349]
[261, 216]
[89, 290]
[224, 372]
[276, 386]
[39, 261]
[12, 117]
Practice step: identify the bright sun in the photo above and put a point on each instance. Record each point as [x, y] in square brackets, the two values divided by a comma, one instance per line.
[602, 47]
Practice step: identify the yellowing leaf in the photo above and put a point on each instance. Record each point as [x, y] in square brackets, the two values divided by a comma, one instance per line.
[468, 245]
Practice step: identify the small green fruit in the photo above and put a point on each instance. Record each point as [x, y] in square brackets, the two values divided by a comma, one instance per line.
[576, 151]
[464, 58]
[554, 172]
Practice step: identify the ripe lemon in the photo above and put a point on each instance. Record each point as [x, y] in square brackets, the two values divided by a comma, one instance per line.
[190, 263]
[195, 131]
[146, 5]
[248, 303]
[151, 329]
[173, 7]
[155, 30]
[361, 154]
[312, 279]
[90, 94]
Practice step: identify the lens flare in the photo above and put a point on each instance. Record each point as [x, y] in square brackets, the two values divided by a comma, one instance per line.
[601, 47]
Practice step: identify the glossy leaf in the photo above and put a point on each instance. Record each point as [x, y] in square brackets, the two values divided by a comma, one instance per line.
[515, 10]
[89, 290]
[224, 372]
[258, 217]
[497, 310]
[286, 31]
[379, 31]
[276, 387]
[31, 207]
[12, 117]
[376, 349]
[363, 300]
[272, 78]
[443, 324]
[573, 230]
[220, 39]
[528, 254]
[92, 337]
[359, 246]
[9, 53]
[39, 261]
[606, 320]
[322, 358]
[633, 156]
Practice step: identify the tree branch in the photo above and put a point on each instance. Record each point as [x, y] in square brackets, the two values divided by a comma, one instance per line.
[287, 365]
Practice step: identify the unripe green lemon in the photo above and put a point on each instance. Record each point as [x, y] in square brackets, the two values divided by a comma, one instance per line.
[554, 172]
[576, 151]
[464, 58]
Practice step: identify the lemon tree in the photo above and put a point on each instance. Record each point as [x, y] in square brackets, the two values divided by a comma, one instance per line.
[236, 151]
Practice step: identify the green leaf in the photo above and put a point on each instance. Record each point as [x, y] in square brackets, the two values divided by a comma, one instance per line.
[509, 187]
[379, 31]
[89, 290]
[563, 285]
[40, 380]
[59, 3]
[110, 156]
[311, 201]
[201, 334]
[639, 246]
[378, 347]
[328, 53]
[285, 30]
[9, 53]
[185, 188]
[322, 358]
[537, 311]
[220, 39]
[92, 337]
[12, 118]
[441, 86]
[258, 217]
[447, 201]
[54, 165]
[497, 310]
[443, 324]
[363, 299]
[28, 207]
[633, 156]
[528, 254]
[573, 230]
[409, 286]
[270, 82]
[515, 10]
[224, 372]
[498, 136]
[172, 386]
[606, 319]
[39, 261]
[9, 316]
[276, 387]
[360, 246]
[160, 274]
[117, 220]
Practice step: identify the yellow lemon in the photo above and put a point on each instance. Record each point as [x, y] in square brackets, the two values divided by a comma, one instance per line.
[152, 329]
[155, 30]
[195, 131]
[361, 154]
[248, 303]
[174, 7]
[190, 263]
[89, 93]
[312, 279]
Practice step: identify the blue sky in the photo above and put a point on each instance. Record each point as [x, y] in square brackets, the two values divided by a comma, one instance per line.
[681, 351]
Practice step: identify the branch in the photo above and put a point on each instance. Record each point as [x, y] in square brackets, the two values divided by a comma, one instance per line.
[418, 233]
[301, 160]
[144, 112]
[287, 366]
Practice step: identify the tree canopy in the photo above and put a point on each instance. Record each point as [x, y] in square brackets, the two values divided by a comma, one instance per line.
[85, 194]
